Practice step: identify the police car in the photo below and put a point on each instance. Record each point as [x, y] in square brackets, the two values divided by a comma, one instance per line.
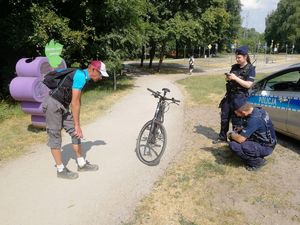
[279, 95]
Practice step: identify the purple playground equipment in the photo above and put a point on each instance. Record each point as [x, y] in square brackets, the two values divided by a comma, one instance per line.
[28, 88]
[38, 121]
[33, 108]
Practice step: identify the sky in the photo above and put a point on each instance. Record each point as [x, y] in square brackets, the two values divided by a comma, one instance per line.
[254, 13]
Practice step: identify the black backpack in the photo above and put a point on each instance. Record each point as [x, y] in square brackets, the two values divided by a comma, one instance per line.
[53, 79]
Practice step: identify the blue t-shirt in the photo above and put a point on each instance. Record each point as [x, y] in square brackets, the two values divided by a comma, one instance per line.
[259, 127]
[80, 79]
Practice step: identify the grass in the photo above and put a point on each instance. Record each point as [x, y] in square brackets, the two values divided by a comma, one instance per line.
[17, 133]
[8, 110]
[205, 169]
[200, 88]
[207, 89]
[209, 184]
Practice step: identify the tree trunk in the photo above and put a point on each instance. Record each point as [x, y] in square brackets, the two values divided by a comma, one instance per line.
[177, 49]
[142, 56]
[115, 81]
[161, 56]
[152, 52]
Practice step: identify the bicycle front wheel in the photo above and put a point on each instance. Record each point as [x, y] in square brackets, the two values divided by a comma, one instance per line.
[151, 143]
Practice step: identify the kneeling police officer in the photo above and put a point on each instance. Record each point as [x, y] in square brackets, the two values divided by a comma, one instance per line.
[257, 138]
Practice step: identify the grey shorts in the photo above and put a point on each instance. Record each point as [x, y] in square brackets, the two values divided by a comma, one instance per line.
[57, 117]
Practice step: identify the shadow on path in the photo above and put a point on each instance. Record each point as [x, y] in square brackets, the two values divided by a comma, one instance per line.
[68, 153]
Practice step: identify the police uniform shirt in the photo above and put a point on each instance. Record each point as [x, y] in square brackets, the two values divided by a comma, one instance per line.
[256, 127]
[248, 75]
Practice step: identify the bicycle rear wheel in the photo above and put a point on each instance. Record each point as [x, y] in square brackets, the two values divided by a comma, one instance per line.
[151, 143]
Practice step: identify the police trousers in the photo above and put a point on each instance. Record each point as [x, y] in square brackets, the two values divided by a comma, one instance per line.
[227, 114]
[57, 117]
[252, 153]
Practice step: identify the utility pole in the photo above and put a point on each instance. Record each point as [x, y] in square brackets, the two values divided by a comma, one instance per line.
[246, 25]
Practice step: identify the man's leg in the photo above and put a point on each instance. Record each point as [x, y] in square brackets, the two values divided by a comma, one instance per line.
[56, 153]
[53, 120]
[83, 165]
[249, 152]
[77, 150]
[253, 151]
[225, 118]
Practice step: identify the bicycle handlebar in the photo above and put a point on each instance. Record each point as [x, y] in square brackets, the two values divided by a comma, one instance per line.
[158, 95]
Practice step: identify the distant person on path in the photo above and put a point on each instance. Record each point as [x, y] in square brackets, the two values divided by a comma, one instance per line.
[257, 138]
[191, 64]
[238, 81]
[58, 116]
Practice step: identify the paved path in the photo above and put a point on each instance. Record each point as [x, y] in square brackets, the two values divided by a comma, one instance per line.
[32, 195]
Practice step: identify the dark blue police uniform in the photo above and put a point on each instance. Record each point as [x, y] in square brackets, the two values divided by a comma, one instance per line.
[261, 139]
[235, 91]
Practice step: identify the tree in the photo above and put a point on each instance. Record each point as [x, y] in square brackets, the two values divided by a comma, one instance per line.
[233, 7]
[282, 25]
[254, 40]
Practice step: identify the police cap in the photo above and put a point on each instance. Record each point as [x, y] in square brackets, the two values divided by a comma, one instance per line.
[242, 50]
[238, 103]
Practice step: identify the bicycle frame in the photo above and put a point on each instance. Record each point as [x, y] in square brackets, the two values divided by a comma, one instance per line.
[152, 138]
[159, 117]
[160, 111]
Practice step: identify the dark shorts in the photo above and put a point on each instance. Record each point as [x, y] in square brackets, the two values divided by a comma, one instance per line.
[58, 117]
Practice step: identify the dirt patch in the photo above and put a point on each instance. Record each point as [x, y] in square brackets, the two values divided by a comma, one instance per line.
[209, 185]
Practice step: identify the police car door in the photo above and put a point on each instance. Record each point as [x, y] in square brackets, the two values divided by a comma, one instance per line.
[279, 98]
[293, 121]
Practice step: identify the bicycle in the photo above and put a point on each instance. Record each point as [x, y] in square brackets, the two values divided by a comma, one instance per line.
[152, 139]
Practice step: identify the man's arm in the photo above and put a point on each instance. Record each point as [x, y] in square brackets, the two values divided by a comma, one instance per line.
[237, 137]
[75, 106]
[244, 83]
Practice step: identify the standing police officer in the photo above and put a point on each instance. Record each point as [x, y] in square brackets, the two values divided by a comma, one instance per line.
[257, 138]
[239, 80]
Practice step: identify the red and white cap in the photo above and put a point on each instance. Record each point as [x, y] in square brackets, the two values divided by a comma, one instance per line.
[100, 66]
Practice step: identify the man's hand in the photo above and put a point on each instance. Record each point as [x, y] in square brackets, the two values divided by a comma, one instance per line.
[78, 132]
[231, 76]
[229, 135]
[243, 83]
[233, 136]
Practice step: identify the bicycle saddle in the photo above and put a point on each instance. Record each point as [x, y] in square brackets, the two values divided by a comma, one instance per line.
[166, 90]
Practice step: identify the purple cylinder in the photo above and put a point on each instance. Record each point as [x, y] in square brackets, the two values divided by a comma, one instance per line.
[29, 89]
[38, 121]
[33, 108]
[35, 67]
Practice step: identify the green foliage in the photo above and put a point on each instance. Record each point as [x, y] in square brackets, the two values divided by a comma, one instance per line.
[233, 7]
[8, 110]
[253, 39]
[215, 23]
[283, 25]
[111, 30]
[48, 25]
